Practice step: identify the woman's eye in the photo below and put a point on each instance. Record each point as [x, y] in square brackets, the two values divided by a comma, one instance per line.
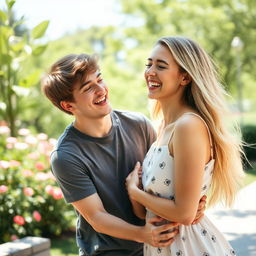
[148, 65]
[161, 67]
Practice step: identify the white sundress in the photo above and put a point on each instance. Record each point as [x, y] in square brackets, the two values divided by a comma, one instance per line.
[202, 239]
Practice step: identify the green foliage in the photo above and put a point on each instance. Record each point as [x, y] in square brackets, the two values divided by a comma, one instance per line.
[39, 30]
[31, 203]
[249, 136]
[16, 46]
[213, 24]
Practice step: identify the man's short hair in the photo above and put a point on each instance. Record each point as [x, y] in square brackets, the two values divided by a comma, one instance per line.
[58, 84]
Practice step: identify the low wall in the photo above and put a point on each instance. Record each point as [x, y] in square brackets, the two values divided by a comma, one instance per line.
[27, 246]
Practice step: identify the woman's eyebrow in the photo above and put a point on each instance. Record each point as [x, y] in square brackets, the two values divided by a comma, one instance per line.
[159, 60]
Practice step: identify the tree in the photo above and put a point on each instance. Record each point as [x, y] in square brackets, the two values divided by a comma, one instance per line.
[213, 24]
[15, 48]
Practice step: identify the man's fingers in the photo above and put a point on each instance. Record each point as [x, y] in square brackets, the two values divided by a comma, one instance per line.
[155, 219]
[197, 220]
[167, 227]
[137, 166]
[203, 198]
[165, 243]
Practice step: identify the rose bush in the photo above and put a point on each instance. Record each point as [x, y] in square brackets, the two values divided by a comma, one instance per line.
[31, 203]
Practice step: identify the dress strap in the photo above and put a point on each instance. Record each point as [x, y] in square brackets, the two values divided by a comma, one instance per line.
[208, 130]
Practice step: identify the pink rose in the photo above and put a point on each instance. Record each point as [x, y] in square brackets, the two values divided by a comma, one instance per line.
[19, 220]
[4, 164]
[21, 145]
[39, 166]
[14, 237]
[23, 132]
[33, 155]
[37, 216]
[4, 130]
[28, 191]
[57, 194]
[42, 136]
[41, 176]
[27, 173]
[31, 140]
[11, 140]
[3, 189]
[49, 190]
[14, 163]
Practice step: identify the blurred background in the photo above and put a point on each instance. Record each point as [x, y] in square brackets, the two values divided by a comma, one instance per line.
[35, 33]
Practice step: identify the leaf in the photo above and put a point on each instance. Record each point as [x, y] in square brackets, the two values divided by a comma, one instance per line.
[30, 80]
[39, 49]
[10, 3]
[3, 17]
[20, 91]
[5, 59]
[40, 29]
[16, 43]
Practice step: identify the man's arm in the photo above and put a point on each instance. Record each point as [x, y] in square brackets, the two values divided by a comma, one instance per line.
[92, 209]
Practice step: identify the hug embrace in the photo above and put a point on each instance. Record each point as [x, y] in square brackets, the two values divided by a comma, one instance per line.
[137, 190]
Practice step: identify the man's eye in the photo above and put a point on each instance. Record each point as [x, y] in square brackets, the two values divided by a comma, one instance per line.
[148, 65]
[87, 89]
[161, 67]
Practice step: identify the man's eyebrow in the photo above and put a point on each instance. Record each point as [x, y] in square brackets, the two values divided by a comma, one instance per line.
[159, 60]
[87, 82]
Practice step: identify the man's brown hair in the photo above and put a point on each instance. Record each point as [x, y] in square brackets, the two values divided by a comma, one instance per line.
[58, 84]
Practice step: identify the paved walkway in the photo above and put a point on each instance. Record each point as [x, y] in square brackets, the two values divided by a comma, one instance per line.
[239, 223]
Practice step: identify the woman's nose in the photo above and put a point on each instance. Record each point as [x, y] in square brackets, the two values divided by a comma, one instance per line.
[151, 71]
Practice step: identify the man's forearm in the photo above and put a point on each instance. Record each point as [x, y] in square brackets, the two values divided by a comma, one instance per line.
[106, 223]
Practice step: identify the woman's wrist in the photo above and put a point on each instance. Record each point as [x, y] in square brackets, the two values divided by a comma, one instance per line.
[133, 192]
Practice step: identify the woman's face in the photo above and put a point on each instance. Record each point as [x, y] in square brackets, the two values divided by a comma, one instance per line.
[162, 74]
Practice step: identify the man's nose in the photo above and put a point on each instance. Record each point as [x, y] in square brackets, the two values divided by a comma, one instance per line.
[100, 88]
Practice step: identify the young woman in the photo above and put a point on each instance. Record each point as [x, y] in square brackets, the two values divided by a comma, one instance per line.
[194, 153]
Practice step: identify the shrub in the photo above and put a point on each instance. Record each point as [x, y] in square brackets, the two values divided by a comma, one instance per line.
[30, 201]
[249, 136]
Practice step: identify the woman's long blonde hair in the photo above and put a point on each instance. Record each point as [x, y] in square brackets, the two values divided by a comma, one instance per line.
[207, 96]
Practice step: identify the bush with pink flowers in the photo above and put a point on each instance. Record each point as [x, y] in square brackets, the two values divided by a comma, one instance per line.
[31, 203]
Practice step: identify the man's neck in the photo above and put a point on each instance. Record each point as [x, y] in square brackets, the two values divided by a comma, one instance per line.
[94, 127]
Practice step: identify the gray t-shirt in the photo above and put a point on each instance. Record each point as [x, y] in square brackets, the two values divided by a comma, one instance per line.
[84, 165]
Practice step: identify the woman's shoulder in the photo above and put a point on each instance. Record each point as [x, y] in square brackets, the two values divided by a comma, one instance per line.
[191, 124]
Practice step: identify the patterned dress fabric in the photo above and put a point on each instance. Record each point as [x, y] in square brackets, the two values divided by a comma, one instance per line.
[202, 239]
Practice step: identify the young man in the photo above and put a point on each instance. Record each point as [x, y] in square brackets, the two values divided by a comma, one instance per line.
[94, 156]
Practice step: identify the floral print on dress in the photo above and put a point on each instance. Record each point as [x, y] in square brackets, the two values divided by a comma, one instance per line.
[202, 239]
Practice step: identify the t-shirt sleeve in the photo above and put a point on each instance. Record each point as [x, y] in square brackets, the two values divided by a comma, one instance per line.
[71, 176]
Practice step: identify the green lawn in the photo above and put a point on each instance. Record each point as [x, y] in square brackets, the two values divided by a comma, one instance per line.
[250, 176]
[64, 245]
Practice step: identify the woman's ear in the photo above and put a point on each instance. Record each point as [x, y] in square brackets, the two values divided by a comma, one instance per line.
[186, 79]
[66, 105]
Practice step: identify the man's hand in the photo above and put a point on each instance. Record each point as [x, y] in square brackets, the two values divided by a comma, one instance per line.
[158, 234]
[200, 210]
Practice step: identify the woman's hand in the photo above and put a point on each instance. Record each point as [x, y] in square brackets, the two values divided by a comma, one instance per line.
[133, 180]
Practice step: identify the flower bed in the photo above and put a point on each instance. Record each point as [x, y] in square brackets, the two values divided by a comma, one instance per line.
[31, 203]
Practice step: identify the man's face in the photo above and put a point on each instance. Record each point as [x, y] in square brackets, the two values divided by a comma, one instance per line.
[91, 97]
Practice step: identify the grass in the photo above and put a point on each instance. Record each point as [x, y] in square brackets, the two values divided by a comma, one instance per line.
[66, 244]
[250, 176]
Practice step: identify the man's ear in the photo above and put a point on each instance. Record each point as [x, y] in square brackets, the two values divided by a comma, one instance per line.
[68, 106]
[186, 79]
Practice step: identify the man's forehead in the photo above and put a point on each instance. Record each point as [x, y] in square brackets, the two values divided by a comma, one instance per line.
[93, 74]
